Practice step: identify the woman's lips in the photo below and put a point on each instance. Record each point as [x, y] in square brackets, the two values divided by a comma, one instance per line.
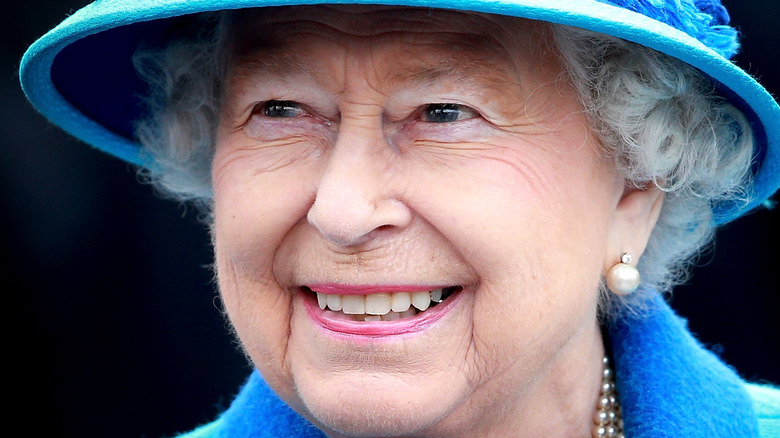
[377, 310]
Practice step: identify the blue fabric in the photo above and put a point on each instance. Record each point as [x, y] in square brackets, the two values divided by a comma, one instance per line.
[705, 20]
[670, 387]
[79, 75]
[258, 413]
[766, 401]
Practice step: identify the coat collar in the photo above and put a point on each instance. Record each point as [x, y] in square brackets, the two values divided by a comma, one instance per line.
[671, 386]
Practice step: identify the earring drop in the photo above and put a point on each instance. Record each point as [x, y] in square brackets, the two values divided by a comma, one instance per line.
[622, 279]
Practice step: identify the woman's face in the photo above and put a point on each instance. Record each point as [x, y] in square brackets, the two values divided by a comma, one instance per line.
[369, 153]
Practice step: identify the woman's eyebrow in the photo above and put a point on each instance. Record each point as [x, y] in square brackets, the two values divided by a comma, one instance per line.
[426, 74]
[473, 76]
[285, 63]
[278, 61]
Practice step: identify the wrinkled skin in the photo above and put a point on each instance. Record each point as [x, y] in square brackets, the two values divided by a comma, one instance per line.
[333, 166]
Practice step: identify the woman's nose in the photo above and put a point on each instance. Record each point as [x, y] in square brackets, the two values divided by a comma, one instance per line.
[356, 195]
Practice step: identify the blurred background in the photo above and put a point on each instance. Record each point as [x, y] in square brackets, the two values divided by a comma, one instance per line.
[113, 326]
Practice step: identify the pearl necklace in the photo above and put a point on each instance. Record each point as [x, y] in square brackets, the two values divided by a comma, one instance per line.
[608, 419]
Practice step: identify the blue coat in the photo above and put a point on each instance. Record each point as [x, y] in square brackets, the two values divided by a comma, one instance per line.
[670, 386]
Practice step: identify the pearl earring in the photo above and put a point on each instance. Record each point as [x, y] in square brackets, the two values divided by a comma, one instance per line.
[622, 279]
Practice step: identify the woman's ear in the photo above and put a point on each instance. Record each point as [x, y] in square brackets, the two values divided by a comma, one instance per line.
[633, 221]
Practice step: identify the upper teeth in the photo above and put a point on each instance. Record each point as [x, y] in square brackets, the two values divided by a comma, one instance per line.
[378, 304]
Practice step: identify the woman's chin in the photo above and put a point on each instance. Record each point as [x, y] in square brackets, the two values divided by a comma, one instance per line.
[360, 404]
[363, 379]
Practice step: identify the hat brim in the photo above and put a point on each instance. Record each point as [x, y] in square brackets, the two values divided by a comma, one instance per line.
[80, 75]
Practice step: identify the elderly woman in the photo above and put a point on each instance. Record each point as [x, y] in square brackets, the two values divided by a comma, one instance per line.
[441, 220]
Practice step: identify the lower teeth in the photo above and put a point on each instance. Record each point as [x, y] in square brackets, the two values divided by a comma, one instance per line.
[392, 316]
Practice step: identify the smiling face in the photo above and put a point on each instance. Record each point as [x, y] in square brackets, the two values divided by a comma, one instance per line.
[376, 155]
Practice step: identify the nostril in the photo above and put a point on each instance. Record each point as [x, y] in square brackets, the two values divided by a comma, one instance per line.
[339, 229]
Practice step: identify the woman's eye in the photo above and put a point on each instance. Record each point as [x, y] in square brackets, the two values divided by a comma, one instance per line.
[282, 108]
[446, 113]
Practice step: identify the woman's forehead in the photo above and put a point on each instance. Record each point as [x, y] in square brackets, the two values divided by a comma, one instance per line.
[258, 27]
[371, 20]
[406, 44]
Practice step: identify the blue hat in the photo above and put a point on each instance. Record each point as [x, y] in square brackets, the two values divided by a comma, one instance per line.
[80, 75]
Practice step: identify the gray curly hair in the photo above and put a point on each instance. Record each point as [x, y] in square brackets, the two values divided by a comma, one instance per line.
[660, 120]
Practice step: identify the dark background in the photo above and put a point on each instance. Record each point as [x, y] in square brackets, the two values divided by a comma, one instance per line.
[113, 326]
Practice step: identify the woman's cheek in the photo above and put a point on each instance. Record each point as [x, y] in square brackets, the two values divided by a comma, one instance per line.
[260, 193]
[247, 234]
[259, 312]
[252, 159]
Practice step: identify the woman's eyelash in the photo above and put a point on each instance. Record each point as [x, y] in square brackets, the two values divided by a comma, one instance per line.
[446, 113]
[429, 113]
[280, 109]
